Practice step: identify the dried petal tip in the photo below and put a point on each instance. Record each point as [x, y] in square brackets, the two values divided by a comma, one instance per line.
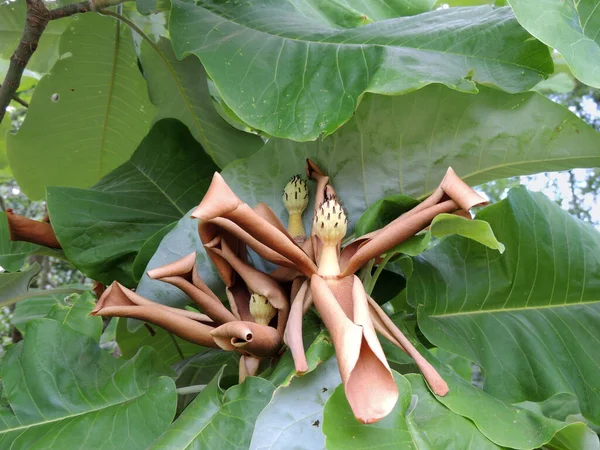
[295, 195]
[330, 222]
[261, 309]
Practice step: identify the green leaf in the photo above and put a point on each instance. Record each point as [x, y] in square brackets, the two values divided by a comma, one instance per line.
[201, 368]
[102, 229]
[12, 22]
[503, 424]
[560, 83]
[294, 416]
[217, 419]
[293, 71]
[5, 127]
[447, 225]
[35, 307]
[317, 351]
[417, 421]
[13, 286]
[65, 392]
[405, 145]
[88, 115]
[74, 312]
[571, 27]
[179, 89]
[148, 249]
[526, 317]
[166, 345]
[388, 9]
[382, 212]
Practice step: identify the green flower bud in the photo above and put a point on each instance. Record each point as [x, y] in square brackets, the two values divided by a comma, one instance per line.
[261, 309]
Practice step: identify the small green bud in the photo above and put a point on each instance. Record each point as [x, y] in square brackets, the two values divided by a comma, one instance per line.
[261, 309]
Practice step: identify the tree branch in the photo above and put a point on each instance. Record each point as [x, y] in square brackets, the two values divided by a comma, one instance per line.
[36, 20]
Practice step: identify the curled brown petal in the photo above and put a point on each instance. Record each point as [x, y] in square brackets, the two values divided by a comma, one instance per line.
[260, 248]
[209, 305]
[433, 378]
[368, 382]
[399, 231]
[293, 330]
[118, 295]
[461, 192]
[263, 210]
[239, 300]
[28, 230]
[218, 200]
[118, 301]
[248, 338]
[248, 367]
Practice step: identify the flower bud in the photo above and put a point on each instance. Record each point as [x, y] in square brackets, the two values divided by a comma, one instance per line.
[261, 309]
[330, 222]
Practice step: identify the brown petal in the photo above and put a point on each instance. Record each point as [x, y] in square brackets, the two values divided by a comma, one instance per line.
[263, 210]
[218, 200]
[399, 231]
[293, 330]
[461, 192]
[368, 381]
[118, 295]
[248, 337]
[184, 327]
[209, 305]
[248, 367]
[315, 173]
[433, 378]
[239, 300]
[264, 251]
[23, 229]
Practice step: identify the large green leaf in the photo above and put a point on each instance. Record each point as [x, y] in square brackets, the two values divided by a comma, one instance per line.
[217, 419]
[65, 392]
[388, 9]
[293, 417]
[12, 22]
[405, 145]
[102, 229]
[88, 115]
[417, 422]
[504, 424]
[571, 27]
[39, 303]
[527, 317]
[293, 69]
[179, 89]
[169, 347]
[13, 286]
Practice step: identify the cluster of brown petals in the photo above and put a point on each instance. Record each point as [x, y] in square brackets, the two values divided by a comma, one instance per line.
[319, 271]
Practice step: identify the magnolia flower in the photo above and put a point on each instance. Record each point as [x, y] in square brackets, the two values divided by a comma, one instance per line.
[322, 272]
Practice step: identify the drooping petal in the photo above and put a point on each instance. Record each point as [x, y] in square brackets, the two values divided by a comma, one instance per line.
[368, 381]
[208, 304]
[118, 301]
[461, 192]
[395, 233]
[433, 378]
[248, 367]
[248, 337]
[23, 229]
[293, 330]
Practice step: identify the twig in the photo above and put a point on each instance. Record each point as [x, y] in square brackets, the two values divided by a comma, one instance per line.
[20, 101]
[190, 389]
[36, 20]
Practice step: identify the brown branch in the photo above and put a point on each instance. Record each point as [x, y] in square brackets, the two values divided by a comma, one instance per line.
[36, 20]
[28, 230]
[20, 101]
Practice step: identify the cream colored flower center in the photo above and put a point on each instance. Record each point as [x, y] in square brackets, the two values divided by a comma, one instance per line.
[295, 195]
[261, 309]
[330, 222]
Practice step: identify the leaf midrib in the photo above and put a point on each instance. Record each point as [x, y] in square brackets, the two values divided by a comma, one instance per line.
[503, 310]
